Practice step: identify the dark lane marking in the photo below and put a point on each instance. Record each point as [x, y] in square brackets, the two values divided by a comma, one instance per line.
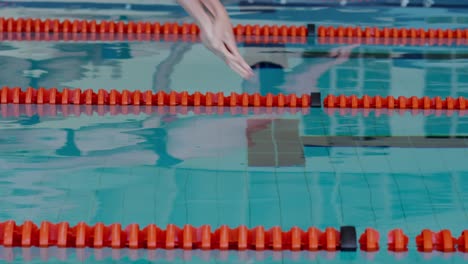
[289, 148]
[387, 141]
[261, 148]
[274, 143]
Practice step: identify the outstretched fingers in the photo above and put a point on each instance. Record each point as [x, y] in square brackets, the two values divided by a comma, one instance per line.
[232, 46]
[233, 56]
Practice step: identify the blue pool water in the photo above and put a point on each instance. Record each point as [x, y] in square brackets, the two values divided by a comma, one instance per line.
[234, 166]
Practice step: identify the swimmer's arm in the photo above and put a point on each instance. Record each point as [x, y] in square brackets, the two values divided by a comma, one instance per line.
[216, 32]
[198, 10]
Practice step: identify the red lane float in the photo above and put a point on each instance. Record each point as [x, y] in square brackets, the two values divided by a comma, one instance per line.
[96, 37]
[390, 102]
[369, 240]
[443, 241]
[82, 235]
[152, 237]
[397, 241]
[463, 242]
[63, 235]
[38, 25]
[386, 32]
[77, 96]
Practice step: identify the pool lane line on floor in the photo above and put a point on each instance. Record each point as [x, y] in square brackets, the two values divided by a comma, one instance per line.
[386, 141]
[393, 55]
[188, 237]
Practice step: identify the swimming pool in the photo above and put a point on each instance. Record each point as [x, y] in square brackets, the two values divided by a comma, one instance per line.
[236, 166]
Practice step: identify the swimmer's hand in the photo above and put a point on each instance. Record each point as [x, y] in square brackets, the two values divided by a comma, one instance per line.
[218, 38]
[216, 33]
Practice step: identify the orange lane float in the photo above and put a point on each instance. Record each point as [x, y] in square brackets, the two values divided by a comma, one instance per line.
[77, 96]
[390, 102]
[429, 241]
[38, 25]
[369, 240]
[390, 32]
[107, 30]
[82, 235]
[107, 37]
[393, 41]
[397, 241]
[63, 235]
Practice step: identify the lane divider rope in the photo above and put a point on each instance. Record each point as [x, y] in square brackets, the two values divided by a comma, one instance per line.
[38, 25]
[390, 102]
[76, 96]
[252, 39]
[393, 41]
[78, 37]
[82, 235]
[389, 32]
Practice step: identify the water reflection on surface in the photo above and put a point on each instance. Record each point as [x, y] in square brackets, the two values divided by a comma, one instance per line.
[167, 165]
[36, 255]
[187, 165]
[353, 68]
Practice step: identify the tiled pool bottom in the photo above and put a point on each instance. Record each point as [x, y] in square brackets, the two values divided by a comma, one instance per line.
[179, 168]
[231, 168]
[54, 255]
